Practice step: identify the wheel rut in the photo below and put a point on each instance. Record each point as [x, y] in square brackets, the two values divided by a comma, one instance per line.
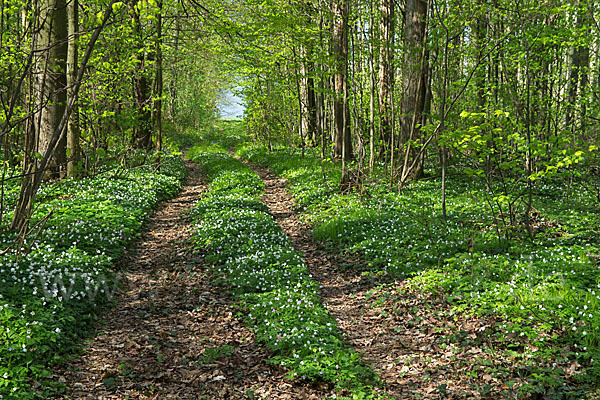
[343, 293]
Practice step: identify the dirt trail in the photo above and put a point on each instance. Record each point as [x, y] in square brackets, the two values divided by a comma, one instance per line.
[172, 335]
[396, 334]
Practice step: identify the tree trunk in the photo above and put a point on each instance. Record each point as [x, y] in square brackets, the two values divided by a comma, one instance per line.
[321, 120]
[386, 74]
[372, 79]
[142, 136]
[158, 83]
[51, 86]
[73, 125]
[302, 101]
[342, 141]
[413, 99]
[481, 38]
[307, 96]
[312, 131]
[578, 77]
[174, 81]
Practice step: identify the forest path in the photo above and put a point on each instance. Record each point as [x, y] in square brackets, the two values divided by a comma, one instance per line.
[394, 330]
[171, 334]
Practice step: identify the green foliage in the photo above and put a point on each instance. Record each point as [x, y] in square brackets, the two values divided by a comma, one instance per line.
[50, 296]
[496, 150]
[179, 138]
[221, 134]
[225, 134]
[253, 257]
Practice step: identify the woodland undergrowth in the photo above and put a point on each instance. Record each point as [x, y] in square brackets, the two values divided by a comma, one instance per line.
[543, 295]
[55, 284]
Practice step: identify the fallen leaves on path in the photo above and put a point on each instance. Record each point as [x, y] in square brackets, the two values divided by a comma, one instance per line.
[172, 334]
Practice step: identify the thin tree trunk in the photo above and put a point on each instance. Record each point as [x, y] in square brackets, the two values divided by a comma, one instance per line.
[386, 74]
[372, 79]
[312, 105]
[301, 95]
[174, 81]
[307, 97]
[578, 76]
[158, 103]
[343, 142]
[142, 137]
[73, 132]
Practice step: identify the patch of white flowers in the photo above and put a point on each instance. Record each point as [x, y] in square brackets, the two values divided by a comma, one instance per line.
[62, 281]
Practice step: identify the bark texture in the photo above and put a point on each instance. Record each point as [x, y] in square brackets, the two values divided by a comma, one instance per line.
[342, 138]
[386, 72]
[73, 125]
[51, 85]
[414, 78]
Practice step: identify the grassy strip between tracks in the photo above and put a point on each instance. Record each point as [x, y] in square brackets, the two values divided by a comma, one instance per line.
[252, 256]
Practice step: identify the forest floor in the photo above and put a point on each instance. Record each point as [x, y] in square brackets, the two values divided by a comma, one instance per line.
[396, 336]
[172, 335]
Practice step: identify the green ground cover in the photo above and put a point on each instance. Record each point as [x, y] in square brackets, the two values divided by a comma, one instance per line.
[50, 295]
